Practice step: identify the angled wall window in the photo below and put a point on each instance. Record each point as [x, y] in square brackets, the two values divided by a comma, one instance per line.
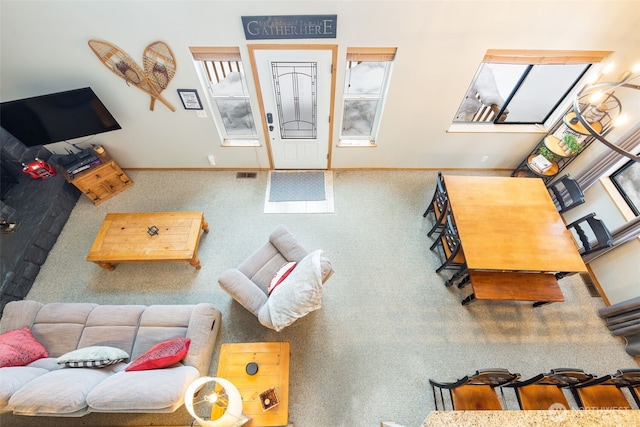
[367, 75]
[523, 87]
[627, 182]
[221, 68]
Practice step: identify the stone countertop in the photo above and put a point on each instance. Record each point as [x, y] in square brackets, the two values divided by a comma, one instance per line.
[573, 418]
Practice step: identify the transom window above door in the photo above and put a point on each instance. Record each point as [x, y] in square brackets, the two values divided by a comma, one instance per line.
[523, 87]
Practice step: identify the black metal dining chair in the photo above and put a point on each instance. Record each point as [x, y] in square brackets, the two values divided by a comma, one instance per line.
[590, 234]
[449, 248]
[588, 227]
[438, 206]
[606, 392]
[545, 391]
[566, 193]
[440, 213]
[474, 392]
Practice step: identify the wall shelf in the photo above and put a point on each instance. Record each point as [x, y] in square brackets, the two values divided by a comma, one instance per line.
[553, 142]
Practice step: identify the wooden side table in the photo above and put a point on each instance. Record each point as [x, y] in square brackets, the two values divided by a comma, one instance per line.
[273, 371]
[101, 181]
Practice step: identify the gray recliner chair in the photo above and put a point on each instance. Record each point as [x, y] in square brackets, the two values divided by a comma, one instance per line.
[248, 283]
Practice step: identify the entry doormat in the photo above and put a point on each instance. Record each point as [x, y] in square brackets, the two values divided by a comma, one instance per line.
[296, 186]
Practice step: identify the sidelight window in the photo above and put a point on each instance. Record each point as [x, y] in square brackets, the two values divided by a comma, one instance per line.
[367, 75]
[230, 101]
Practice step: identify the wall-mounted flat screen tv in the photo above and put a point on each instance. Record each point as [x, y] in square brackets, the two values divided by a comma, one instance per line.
[56, 117]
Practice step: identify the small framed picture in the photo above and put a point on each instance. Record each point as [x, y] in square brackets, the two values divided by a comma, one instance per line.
[190, 99]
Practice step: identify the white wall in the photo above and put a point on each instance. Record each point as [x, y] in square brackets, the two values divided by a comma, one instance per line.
[440, 44]
[618, 271]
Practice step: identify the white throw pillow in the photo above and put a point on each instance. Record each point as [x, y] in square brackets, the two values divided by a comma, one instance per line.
[93, 357]
[299, 294]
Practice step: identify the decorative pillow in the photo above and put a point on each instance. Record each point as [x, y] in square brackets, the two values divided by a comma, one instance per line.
[161, 355]
[299, 294]
[93, 357]
[19, 348]
[282, 274]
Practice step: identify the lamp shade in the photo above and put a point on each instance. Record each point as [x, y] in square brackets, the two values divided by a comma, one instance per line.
[598, 110]
[214, 391]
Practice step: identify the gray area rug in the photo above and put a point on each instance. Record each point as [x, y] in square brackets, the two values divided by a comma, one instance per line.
[296, 186]
[387, 322]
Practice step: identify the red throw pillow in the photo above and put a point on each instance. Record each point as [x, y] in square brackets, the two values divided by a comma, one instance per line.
[282, 274]
[161, 355]
[19, 348]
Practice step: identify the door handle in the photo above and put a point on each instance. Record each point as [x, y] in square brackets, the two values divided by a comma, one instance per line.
[269, 118]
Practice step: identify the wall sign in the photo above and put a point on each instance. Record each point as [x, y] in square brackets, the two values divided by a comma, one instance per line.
[190, 99]
[290, 27]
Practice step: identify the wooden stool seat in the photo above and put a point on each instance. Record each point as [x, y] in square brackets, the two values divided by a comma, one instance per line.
[603, 397]
[541, 397]
[475, 398]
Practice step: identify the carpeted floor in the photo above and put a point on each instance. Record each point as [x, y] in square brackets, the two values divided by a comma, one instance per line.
[387, 324]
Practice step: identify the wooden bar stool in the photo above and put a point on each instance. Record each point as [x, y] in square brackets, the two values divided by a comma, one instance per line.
[476, 392]
[545, 391]
[606, 392]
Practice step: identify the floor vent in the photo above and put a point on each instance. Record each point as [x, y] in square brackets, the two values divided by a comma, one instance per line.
[591, 287]
[246, 174]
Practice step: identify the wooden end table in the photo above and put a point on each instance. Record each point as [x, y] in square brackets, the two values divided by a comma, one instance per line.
[124, 237]
[273, 371]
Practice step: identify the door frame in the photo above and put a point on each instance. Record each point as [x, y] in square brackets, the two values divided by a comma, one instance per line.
[254, 69]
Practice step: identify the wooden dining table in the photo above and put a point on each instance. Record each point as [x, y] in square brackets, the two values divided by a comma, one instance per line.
[510, 224]
[513, 238]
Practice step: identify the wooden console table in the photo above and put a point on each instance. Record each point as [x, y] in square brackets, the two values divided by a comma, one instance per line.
[101, 181]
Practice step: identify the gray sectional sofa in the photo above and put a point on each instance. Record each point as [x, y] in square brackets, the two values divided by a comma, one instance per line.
[45, 388]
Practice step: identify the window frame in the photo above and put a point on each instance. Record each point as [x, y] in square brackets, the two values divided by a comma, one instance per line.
[519, 85]
[201, 56]
[367, 54]
[623, 192]
[530, 58]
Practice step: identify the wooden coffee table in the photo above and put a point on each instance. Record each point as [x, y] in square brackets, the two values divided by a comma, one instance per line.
[273, 371]
[124, 237]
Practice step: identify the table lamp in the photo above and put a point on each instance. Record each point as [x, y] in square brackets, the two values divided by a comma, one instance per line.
[213, 395]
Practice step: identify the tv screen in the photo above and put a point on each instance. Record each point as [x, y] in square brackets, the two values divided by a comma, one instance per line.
[56, 117]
